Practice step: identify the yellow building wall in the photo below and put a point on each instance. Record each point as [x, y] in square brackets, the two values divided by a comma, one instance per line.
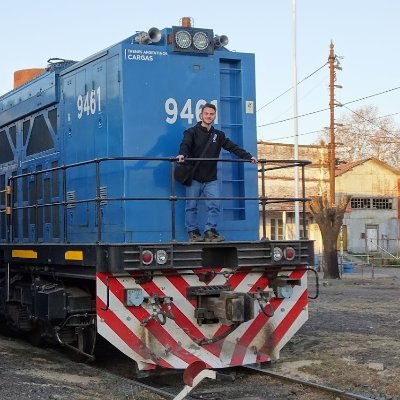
[370, 179]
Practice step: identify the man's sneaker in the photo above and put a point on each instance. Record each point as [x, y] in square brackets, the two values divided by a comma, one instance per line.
[213, 236]
[195, 236]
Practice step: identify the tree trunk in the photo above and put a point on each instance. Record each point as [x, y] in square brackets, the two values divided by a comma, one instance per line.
[329, 240]
[329, 219]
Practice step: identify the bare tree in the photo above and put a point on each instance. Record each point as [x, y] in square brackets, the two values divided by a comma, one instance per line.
[364, 134]
[329, 219]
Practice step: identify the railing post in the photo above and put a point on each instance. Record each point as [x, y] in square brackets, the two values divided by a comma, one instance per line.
[98, 200]
[263, 208]
[9, 204]
[303, 195]
[173, 200]
[35, 174]
[64, 183]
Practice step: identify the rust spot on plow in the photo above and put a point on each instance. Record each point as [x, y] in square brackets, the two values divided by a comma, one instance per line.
[266, 342]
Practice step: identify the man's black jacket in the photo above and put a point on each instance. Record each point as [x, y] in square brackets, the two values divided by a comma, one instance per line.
[194, 142]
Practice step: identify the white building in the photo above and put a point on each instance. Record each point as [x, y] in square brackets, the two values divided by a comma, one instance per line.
[372, 220]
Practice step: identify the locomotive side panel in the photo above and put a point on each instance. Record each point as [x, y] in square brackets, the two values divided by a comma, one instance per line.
[30, 144]
[92, 116]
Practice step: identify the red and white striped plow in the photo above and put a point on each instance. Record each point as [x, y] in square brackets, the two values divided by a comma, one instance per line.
[177, 343]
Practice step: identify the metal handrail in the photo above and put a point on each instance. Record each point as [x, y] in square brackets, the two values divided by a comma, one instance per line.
[263, 200]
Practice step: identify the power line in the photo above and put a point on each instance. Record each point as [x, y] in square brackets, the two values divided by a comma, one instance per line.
[288, 90]
[321, 130]
[291, 118]
[301, 99]
[369, 120]
[387, 115]
[372, 119]
[325, 109]
[300, 134]
[373, 95]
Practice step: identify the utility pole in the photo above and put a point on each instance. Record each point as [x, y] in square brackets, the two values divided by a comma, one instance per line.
[328, 213]
[333, 64]
[332, 159]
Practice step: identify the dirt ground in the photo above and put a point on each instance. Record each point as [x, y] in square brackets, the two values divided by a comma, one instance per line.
[28, 372]
[352, 338]
[351, 341]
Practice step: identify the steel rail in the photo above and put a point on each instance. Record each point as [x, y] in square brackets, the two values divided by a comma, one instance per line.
[162, 392]
[135, 382]
[166, 394]
[314, 385]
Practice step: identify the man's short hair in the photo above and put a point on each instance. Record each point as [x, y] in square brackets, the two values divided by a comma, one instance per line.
[209, 105]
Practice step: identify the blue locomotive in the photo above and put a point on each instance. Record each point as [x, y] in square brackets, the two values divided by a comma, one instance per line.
[92, 237]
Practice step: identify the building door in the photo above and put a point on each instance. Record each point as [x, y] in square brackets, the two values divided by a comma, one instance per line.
[371, 237]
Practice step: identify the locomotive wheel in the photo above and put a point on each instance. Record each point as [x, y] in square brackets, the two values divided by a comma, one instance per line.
[35, 336]
[85, 343]
[4, 326]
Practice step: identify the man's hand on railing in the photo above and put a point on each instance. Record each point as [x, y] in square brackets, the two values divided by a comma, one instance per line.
[180, 158]
[254, 160]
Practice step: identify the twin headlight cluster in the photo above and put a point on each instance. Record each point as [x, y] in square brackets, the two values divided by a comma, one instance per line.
[185, 39]
[148, 257]
[286, 253]
[196, 40]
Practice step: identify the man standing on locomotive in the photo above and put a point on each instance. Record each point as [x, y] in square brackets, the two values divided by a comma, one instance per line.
[204, 184]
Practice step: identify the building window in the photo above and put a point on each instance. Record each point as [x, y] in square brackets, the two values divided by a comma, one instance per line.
[377, 203]
[276, 229]
[360, 202]
[303, 235]
[382, 204]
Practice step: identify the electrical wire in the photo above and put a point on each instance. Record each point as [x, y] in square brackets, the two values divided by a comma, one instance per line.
[301, 98]
[291, 136]
[325, 109]
[372, 95]
[367, 120]
[321, 130]
[288, 90]
[292, 118]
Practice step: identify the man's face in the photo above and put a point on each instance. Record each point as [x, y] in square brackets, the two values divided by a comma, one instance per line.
[208, 115]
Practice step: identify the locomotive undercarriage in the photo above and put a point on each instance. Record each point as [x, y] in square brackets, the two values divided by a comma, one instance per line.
[44, 308]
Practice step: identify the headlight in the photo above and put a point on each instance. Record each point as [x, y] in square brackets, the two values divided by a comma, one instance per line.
[192, 40]
[183, 39]
[161, 257]
[200, 41]
[277, 254]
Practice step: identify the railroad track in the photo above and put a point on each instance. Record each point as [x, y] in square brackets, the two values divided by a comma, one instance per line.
[170, 385]
[204, 392]
[343, 393]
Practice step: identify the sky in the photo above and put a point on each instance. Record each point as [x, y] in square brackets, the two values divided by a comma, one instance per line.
[365, 34]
